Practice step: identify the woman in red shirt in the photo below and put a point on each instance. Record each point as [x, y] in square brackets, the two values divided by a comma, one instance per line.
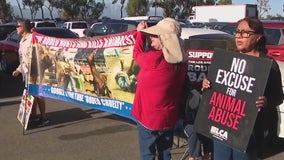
[159, 86]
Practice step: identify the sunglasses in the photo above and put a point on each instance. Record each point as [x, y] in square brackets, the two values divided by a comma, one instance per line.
[18, 26]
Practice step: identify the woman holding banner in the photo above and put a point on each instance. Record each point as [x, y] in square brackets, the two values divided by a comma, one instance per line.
[250, 40]
[159, 87]
[25, 55]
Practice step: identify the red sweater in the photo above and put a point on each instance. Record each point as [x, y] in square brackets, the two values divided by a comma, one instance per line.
[159, 88]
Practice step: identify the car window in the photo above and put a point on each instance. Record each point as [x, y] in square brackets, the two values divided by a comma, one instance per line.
[64, 25]
[131, 27]
[117, 28]
[272, 36]
[60, 33]
[15, 37]
[46, 24]
[79, 25]
[5, 30]
[100, 29]
[229, 29]
[209, 42]
[281, 41]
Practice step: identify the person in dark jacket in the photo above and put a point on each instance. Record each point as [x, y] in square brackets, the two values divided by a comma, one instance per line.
[250, 40]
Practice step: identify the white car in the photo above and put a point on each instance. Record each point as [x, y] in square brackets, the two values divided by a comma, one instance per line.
[43, 24]
[77, 27]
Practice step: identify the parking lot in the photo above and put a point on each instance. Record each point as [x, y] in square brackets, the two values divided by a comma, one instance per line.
[74, 133]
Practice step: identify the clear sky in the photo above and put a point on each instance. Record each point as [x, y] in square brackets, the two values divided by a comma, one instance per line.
[275, 5]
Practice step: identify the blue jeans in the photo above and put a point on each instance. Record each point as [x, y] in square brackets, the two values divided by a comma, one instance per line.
[194, 143]
[224, 152]
[151, 141]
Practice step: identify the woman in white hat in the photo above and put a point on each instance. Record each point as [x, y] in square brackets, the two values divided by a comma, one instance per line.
[159, 86]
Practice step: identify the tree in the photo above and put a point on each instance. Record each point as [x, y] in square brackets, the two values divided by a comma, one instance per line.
[96, 9]
[71, 8]
[176, 9]
[225, 2]
[40, 4]
[183, 8]
[209, 2]
[263, 7]
[19, 6]
[32, 6]
[167, 6]
[122, 6]
[5, 10]
[137, 8]
[50, 6]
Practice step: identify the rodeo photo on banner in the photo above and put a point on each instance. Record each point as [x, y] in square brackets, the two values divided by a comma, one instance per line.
[95, 72]
[227, 111]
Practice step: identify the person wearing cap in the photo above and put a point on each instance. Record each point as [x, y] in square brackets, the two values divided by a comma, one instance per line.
[159, 86]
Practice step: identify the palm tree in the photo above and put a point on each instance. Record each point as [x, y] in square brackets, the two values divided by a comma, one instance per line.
[18, 3]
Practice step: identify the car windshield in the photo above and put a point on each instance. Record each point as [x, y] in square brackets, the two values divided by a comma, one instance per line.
[79, 25]
[209, 42]
[46, 24]
[58, 32]
[5, 30]
[272, 34]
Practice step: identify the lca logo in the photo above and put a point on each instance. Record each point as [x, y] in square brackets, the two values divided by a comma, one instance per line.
[219, 133]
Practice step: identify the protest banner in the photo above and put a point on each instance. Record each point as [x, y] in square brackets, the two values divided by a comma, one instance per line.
[25, 108]
[227, 111]
[99, 72]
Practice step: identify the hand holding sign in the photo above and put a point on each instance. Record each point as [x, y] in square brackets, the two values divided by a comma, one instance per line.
[227, 111]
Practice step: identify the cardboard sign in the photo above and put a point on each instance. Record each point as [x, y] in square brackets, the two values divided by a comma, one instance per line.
[25, 109]
[227, 112]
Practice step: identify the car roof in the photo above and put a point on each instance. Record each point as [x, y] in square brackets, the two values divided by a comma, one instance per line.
[75, 22]
[189, 32]
[267, 23]
[122, 21]
[56, 32]
[8, 24]
[143, 18]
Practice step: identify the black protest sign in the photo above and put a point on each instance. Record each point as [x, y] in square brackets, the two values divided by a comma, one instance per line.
[227, 112]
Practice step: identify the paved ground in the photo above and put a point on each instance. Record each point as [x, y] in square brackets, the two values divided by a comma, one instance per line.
[74, 133]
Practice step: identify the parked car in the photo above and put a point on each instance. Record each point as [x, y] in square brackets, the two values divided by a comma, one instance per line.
[77, 27]
[216, 25]
[110, 27]
[274, 32]
[144, 18]
[113, 26]
[43, 24]
[6, 29]
[9, 58]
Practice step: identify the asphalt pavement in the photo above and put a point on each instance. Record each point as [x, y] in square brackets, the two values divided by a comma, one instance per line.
[74, 132]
